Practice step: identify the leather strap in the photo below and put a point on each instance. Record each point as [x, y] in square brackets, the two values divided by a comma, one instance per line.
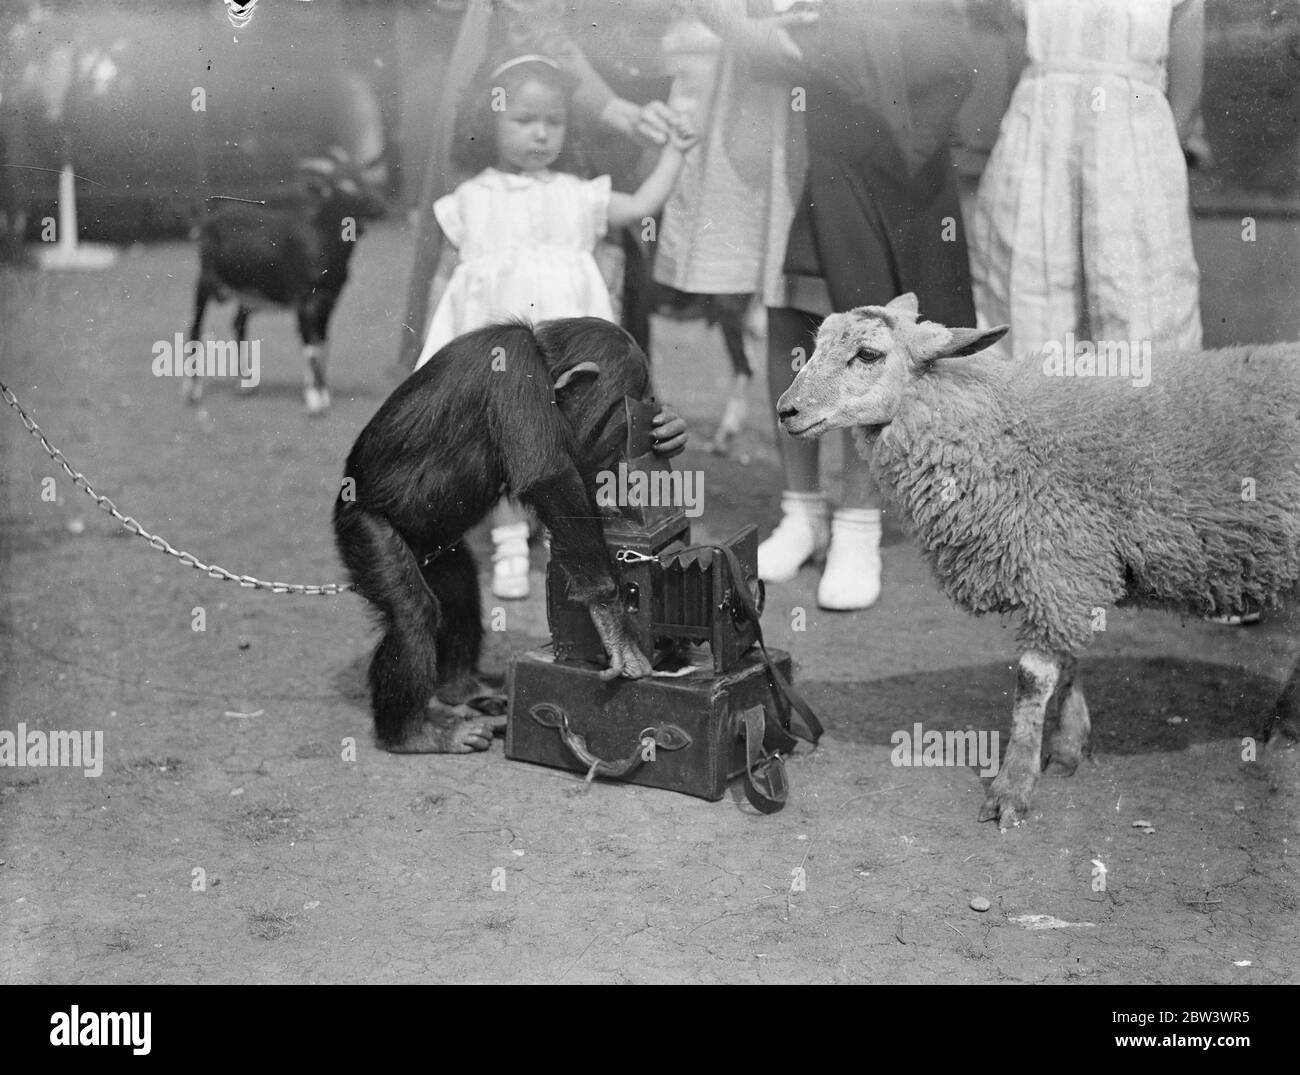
[766, 786]
[802, 721]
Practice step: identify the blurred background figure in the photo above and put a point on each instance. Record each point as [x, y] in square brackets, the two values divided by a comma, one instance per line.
[837, 124]
[715, 233]
[1082, 221]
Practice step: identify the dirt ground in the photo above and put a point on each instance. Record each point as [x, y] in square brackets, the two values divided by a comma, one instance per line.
[224, 747]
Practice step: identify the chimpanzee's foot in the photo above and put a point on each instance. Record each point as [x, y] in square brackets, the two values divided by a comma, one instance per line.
[446, 729]
[625, 657]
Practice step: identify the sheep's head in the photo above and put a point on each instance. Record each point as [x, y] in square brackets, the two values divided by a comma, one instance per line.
[863, 362]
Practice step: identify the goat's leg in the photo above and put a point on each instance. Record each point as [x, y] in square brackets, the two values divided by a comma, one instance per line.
[1009, 794]
[240, 328]
[1070, 742]
[313, 319]
[192, 387]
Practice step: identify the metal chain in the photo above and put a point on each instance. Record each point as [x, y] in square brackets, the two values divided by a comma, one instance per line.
[161, 544]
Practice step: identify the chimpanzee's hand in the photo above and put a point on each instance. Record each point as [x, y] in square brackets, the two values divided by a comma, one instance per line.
[625, 657]
[669, 433]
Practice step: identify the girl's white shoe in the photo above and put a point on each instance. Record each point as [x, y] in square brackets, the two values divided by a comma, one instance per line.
[799, 536]
[852, 577]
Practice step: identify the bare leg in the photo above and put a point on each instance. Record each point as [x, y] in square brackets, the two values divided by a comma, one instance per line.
[1009, 794]
[790, 333]
[859, 486]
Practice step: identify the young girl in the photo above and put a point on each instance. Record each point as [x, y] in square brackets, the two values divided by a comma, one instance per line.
[525, 234]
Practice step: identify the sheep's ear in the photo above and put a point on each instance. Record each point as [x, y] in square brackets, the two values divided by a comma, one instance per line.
[574, 371]
[968, 341]
[905, 304]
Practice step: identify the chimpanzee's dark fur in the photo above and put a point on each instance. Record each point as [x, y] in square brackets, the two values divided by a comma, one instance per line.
[535, 412]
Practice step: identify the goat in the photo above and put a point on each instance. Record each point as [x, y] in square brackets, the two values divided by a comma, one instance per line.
[295, 259]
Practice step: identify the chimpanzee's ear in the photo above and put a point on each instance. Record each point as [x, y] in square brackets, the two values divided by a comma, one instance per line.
[574, 371]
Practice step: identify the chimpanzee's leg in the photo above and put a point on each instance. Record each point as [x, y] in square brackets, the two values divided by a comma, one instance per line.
[404, 672]
[453, 579]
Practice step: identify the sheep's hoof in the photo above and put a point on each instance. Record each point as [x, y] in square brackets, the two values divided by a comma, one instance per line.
[1008, 799]
[1063, 755]
[318, 400]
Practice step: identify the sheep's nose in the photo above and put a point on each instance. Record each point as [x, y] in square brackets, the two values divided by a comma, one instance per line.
[786, 412]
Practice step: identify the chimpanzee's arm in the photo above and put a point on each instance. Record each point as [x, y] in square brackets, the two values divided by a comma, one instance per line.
[538, 451]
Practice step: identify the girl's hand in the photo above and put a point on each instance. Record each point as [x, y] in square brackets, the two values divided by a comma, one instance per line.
[681, 137]
[650, 124]
[1196, 148]
[655, 123]
[669, 433]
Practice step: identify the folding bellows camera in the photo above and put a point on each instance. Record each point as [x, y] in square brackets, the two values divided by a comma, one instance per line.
[673, 594]
[687, 727]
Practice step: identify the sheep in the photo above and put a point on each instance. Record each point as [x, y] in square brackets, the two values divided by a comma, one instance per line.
[288, 258]
[1176, 487]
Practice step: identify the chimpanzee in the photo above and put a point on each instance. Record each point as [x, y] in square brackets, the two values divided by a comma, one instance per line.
[535, 412]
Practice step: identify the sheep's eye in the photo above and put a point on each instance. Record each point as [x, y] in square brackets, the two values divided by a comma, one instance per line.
[868, 355]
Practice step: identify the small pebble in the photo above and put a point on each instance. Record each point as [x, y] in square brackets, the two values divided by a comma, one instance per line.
[980, 903]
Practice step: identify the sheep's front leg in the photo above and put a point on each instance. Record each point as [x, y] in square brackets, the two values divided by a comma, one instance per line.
[1070, 741]
[1284, 724]
[1009, 794]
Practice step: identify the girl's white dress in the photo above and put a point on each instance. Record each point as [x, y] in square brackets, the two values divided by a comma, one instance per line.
[525, 245]
[1082, 224]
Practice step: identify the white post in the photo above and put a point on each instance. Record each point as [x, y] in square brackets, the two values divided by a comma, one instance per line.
[67, 252]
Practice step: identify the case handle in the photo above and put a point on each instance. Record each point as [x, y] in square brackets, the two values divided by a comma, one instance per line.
[665, 736]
